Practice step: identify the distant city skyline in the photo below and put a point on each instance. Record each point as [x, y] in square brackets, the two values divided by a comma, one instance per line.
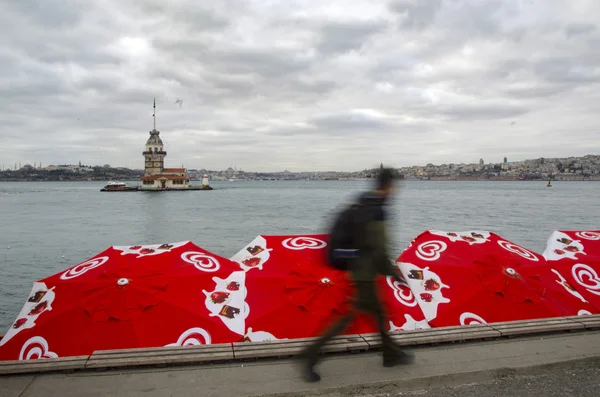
[504, 160]
[301, 85]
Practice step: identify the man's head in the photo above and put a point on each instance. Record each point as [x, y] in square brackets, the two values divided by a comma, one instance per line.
[386, 181]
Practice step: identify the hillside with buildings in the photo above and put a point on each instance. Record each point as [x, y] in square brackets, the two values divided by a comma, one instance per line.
[561, 169]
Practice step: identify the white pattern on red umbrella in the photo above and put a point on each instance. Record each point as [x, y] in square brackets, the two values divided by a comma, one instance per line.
[562, 281]
[468, 318]
[193, 337]
[81, 268]
[36, 348]
[588, 235]
[254, 255]
[561, 245]
[259, 336]
[426, 286]
[471, 237]
[300, 243]
[402, 292]
[227, 301]
[149, 249]
[517, 249]
[431, 250]
[39, 301]
[409, 325]
[201, 261]
[587, 277]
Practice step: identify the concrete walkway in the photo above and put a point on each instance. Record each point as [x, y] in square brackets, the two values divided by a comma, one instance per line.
[349, 374]
[581, 382]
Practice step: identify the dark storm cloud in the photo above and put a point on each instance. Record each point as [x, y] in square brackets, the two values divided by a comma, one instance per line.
[313, 84]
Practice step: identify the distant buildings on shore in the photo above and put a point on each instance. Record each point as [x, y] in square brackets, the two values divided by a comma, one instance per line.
[570, 168]
[565, 169]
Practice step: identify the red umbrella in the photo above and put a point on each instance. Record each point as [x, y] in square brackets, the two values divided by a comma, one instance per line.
[293, 293]
[478, 277]
[128, 297]
[575, 258]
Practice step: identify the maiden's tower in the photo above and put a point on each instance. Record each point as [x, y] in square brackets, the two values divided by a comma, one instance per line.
[156, 176]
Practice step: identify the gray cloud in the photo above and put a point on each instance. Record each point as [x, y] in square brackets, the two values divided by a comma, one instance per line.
[418, 14]
[576, 29]
[340, 37]
[298, 84]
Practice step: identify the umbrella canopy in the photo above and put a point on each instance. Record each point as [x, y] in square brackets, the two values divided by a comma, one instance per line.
[462, 278]
[575, 257]
[129, 297]
[293, 293]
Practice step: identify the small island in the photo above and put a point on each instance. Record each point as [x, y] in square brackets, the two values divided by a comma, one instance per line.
[156, 177]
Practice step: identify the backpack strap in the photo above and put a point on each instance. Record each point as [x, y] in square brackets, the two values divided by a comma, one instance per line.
[346, 253]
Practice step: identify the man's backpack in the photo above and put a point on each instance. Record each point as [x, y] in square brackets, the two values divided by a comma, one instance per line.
[343, 242]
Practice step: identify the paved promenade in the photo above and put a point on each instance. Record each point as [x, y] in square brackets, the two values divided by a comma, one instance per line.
[581, 382]
[349, 374]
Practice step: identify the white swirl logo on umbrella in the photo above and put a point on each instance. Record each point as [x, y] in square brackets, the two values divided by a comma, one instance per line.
[402, 295]
[300, 243]
[589, 235]
[80, 269]
[584, 313]
[193, 337]
[431, 250]
[36, 348]
[517, 249]
[468, 318]
[587, 277]
[201, 261]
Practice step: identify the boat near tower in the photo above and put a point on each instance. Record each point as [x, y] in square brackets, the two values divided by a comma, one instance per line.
[156, 177]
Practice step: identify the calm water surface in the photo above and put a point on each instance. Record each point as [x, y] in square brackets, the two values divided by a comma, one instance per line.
[47, 227]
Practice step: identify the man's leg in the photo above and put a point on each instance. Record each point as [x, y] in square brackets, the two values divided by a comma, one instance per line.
[392, 353]
[311, 354]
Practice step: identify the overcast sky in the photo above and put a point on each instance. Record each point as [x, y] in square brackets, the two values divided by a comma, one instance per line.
[269, 85]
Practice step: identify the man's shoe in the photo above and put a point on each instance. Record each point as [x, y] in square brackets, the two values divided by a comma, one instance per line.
[401, 358]
[390, 361]
[310, 375]
[406, 358]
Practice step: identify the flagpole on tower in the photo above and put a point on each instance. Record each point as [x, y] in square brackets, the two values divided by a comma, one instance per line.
[154, 114]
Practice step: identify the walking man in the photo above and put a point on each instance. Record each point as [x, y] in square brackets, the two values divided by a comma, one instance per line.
[371, 260]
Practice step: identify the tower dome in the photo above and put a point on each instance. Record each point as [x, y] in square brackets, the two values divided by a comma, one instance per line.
[154, 138]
